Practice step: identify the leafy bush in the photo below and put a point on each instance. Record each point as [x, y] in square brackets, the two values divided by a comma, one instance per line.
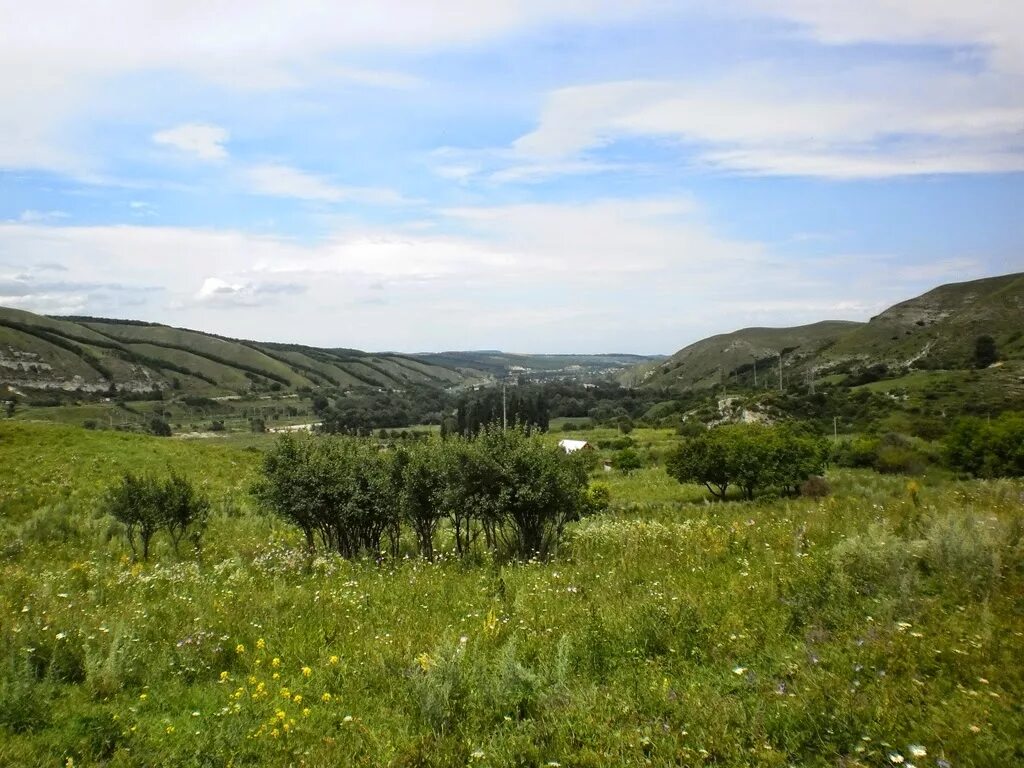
[512, 488]
[750, 456]
[627, 460]
[144, 506]
[987, 448]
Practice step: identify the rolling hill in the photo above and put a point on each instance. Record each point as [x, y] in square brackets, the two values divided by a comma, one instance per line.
[91, 354]
[936, 330]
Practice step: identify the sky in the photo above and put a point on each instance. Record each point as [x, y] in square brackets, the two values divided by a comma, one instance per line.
[525, 175]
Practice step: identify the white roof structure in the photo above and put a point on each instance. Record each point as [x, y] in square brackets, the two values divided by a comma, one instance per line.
[571, 446]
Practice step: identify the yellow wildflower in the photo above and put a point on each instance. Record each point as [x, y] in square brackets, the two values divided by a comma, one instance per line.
[224, 676]
[261, 644]
[325, 698]
[333, 660]
[239, 648]
[297, 698]
[306, 671]
[275, 662]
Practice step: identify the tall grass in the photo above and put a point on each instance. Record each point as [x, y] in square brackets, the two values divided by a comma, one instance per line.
[851, 630]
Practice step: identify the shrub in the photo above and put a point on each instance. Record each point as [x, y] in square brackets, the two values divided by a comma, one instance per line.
[815, 487]
[750, 456]
[144, 506]
[627, 460]
[987, 448]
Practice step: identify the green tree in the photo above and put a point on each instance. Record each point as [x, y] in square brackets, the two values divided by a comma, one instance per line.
[627, 460]
[985, 352]
[133, 503]
[987, 448]
[751, 456]
[183, 510]
[159, 427]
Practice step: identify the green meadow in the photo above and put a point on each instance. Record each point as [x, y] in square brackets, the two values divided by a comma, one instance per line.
[880, 625]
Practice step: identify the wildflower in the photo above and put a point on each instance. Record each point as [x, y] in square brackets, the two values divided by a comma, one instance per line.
[276, 676]
[347, 719]
[325, 698]
[297, 698]
[305, 712]
[896, 758]
[333, 660]
[285, 693]
[61, 635]
[224, 676]
[306, 671]
[739, 670]
[239, 649]
[477, 754]
[143, 696]
[275, 662]
[275, 733]
[425, 661]
[261, 644]
[916, 750]
[975, 729]
[279, 714]
[195, 713]
[170, 729]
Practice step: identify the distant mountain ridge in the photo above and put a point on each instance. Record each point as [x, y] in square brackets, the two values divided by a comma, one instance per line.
[937, 329]
[93, 353]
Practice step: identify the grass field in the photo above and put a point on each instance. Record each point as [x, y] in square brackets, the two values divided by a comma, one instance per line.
[881, 625]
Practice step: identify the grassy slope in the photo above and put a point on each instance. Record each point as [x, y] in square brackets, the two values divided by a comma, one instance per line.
[944, 321]
[789, 632]
[698, 364]
[947, 320]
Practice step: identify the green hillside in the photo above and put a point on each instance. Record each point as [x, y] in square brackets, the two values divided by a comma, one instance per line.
[935, 331]
[714, 360]
[90, 354]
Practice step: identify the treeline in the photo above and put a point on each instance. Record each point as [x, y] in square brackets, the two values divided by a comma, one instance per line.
[752, 457]
[525, 405]
[506, 491]
[361, 412]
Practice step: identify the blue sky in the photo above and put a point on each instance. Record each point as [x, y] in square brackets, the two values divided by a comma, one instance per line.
[532, 176]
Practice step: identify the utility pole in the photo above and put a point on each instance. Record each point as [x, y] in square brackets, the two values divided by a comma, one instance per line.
[504, 412]
[755, 373]
[780, 372]
[835, 429]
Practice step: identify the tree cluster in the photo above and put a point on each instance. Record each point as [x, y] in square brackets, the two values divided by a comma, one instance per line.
[145, 506]
[524, 405]
[987, 448]
[508, 491]
[752, 457]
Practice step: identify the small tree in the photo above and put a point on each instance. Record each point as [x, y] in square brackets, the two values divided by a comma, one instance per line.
[133, 503]
[985, 352]
[627, 460]
[183, 509]
[159, 427]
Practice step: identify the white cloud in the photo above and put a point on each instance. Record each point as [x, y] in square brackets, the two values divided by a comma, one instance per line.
[278, 180]
[216, 292]
[995, 25]
[32, 216]
[58, 57]
[615, 273]
[867, 122]
[205, 142]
